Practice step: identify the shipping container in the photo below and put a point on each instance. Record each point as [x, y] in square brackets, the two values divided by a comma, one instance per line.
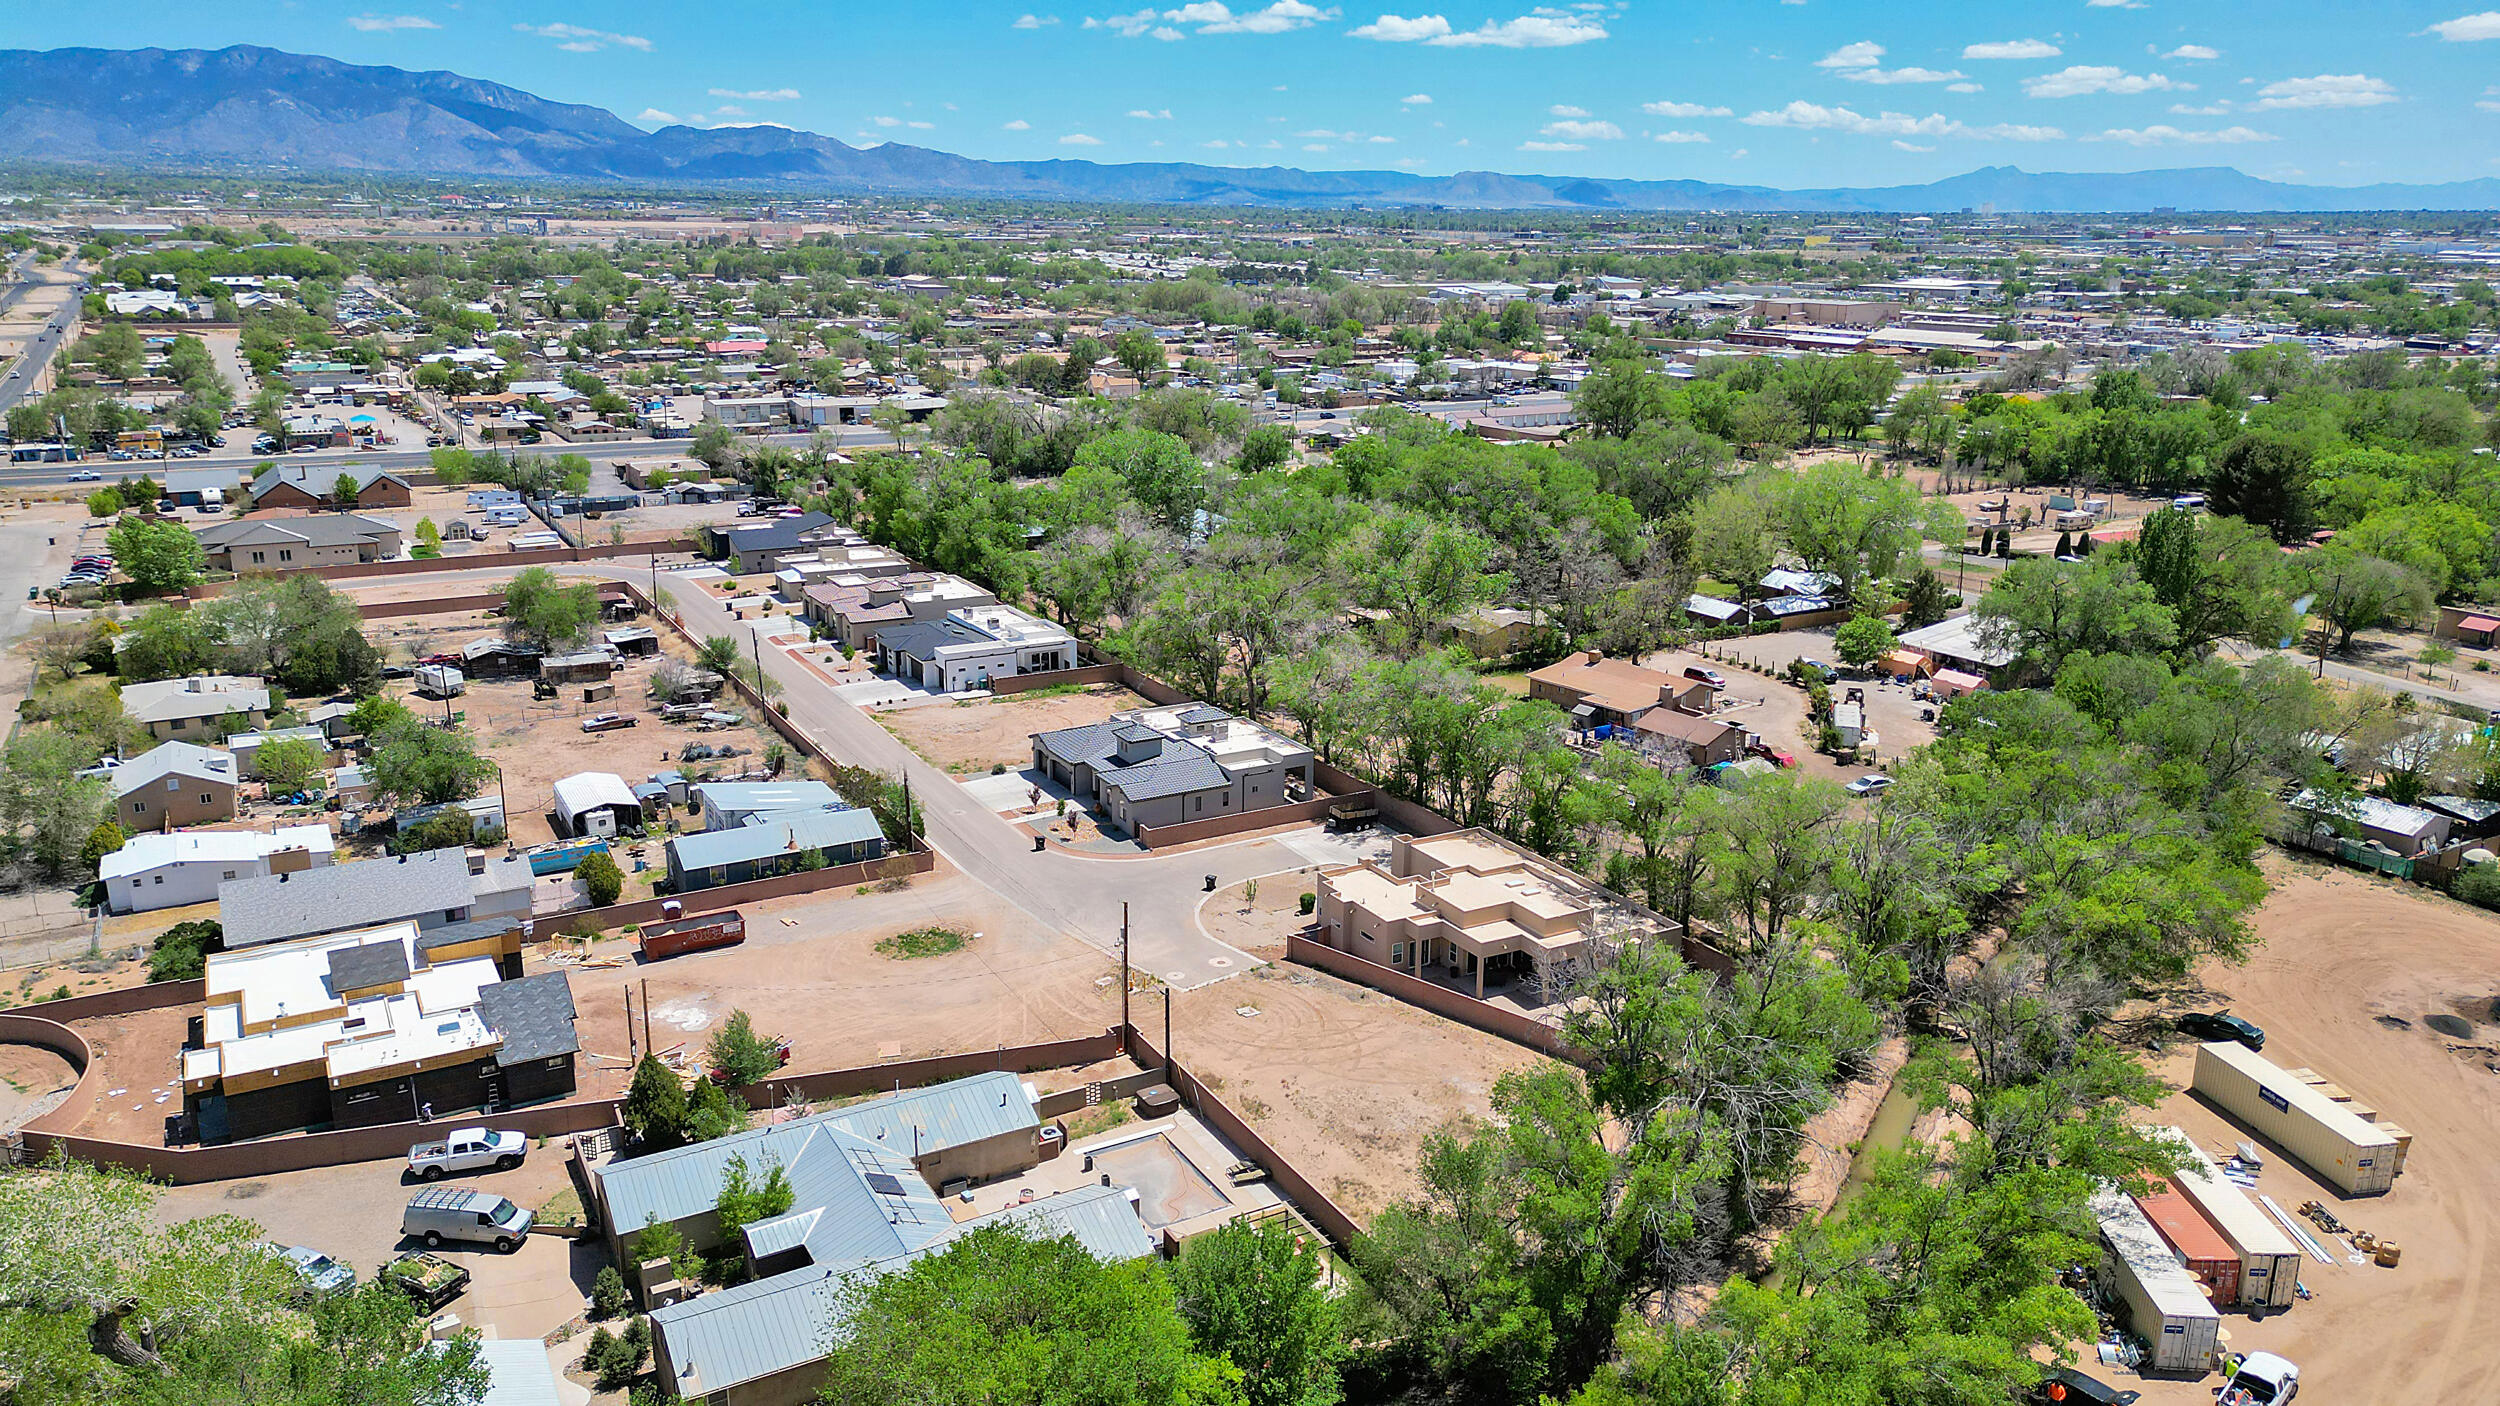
[2337, 1147]
[2166, 1308]
[2200, 1246]
[2404, 1143]
[2269, 1261]
[693, 934]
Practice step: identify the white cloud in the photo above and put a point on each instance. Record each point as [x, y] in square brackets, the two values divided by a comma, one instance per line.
[2465, 29]
[2163, 134]
[1813, 117]
[1681, 138]
[761, 95]
[1015, 125]
[1213, 17]
[1578, 131]
[1315, 146]
[653, 114]
[1079, 139]
[1566, 110]
[1676, 109]
[575, 39]
[2211, 109]
[1964, 88]
[1539, 29]
[2194, 53]
[2490, 100]
[1034, 21]
[886, 121]
[383, 24]
[1866, 53]
[1902, 75]
[1168, 34]
[2115, 4]
[2078, 79]
[1552, 146]
[1417, 100]
[2012, 49]
[1161, 114]
[1219, 144]
[1909, 146]
[2325, 90]
[915, 125]
[1126, 26]
[1378, 140]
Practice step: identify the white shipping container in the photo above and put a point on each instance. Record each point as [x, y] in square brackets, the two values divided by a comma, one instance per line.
[2164, 1303]
[2336, 1146]
[2269, 1261]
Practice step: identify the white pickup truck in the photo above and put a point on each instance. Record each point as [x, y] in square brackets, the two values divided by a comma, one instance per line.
[467, 1150]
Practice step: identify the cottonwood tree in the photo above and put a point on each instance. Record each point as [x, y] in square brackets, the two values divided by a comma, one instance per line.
[2351, 592]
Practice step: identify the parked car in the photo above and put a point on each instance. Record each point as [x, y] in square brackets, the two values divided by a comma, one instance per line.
[86, 476]
[430, 1280]
[2064, 1386]
[1711, 677]
[1772, 754]
[467, 1150]
[444, 1213]
[2222, 1025]
[1868, 784]
[320, 1273]
[607, 722]
[117, 455]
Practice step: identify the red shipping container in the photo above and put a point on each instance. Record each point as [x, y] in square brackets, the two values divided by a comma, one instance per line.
[2208, 1254]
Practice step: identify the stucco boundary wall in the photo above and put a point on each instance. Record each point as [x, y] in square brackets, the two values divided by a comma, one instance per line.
[1316, 1205]
[1440, 1000]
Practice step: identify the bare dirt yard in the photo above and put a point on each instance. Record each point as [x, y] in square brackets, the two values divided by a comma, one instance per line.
[1345, 1081]
[810, 971]
[2352, 973]
[538, 742]
[31, 1080]
[1776, 709]
[138, 1083]
[970, 738]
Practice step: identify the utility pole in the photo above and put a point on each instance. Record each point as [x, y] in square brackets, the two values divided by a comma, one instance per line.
[1124, 1021]
[1167, 1032]
[646, 1013]
[629, 1022]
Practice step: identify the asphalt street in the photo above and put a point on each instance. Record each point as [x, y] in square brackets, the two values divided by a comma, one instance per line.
[239, 452]
[1076, 894]
[14, 387]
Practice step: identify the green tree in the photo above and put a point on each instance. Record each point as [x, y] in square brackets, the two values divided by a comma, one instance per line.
[1863, 639]
[719, 653]
[2218, 577]
[2351, 592]
[51, 810]
[1420, 571]
[1159, 471]
[742, 1056]
[2265, 480]
[289, 764]
[541, 611]
[655, 1105]
[715, 445]
[104, 502]
[345, 489]
[102, 841]
[1927, 600]
[157, 555]
[744, 1200]
[1855, 524]
[416, 763]
[1253, 1295]
[180, 952]
[1619, 397]
[998, 1317]
[1141, 352]
[2046, 611]
[601, 880]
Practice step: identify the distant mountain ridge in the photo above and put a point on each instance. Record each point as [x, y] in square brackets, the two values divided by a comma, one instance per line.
[255, 107]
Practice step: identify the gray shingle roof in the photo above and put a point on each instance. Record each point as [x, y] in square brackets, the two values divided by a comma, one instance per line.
[273, 907]
[1088, 745]
[1181, 769]
[533, 1015]
[367, 965]
[923, 640]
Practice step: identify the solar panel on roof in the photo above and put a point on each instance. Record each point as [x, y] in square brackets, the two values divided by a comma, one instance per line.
[885, 1183]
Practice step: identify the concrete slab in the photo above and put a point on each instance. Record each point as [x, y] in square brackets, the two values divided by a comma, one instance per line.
[1326, 847]
[1013, 792]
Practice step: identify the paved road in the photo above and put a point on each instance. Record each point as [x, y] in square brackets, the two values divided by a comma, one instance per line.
[1075, 894]
[19, 381]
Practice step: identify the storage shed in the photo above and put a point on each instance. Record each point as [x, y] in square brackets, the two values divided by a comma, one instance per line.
[2333, 1142]
[2165, 1306]
[595, 803]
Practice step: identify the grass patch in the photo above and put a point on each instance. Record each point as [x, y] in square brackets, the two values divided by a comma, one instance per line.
[1102, 1117]
[923, 942]
[563, 1208]
[1057, 690]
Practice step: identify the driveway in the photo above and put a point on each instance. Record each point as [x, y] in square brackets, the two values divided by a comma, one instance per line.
[1776, 709]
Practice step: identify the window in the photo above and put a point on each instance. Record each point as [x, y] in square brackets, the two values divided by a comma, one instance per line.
[285, 554]
[204, 800]
[260, 557]
[181, 723]
[138, 883]
[1197, 803]
[173, 783]
[138, 807]
[159, 879]
[229, 874]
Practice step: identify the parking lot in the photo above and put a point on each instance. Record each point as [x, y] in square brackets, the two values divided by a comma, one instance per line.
[1776, 709]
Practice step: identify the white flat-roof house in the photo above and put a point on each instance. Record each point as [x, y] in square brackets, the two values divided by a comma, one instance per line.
[969, 646]
[171, 871]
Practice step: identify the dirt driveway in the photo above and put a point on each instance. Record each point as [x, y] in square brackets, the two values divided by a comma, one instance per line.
[2351, 972]
[1776, 709]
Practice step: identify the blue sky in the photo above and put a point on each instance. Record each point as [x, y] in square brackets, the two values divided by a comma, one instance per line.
[1762, 92]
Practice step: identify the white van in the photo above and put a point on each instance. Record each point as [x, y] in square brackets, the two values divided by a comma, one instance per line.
[441, 1213]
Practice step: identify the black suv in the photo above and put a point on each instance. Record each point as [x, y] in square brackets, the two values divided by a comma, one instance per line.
[2221, 1025]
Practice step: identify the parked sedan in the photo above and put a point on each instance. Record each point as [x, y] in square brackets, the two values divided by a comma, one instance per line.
[607, 722]
[2222, 1025]
[320, 1273]
[1868, 784]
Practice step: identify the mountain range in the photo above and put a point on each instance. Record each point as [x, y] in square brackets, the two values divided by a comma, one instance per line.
[252, 108]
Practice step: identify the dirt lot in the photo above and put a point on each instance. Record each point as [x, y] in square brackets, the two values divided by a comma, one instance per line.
[538, 742]
[809, 970]
[29, 1077]
[970, 738]
[1343, 1080]
[2351, 970]
[140, 1078]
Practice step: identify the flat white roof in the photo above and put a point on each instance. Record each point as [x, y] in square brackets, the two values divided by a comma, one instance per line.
[142, 853]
